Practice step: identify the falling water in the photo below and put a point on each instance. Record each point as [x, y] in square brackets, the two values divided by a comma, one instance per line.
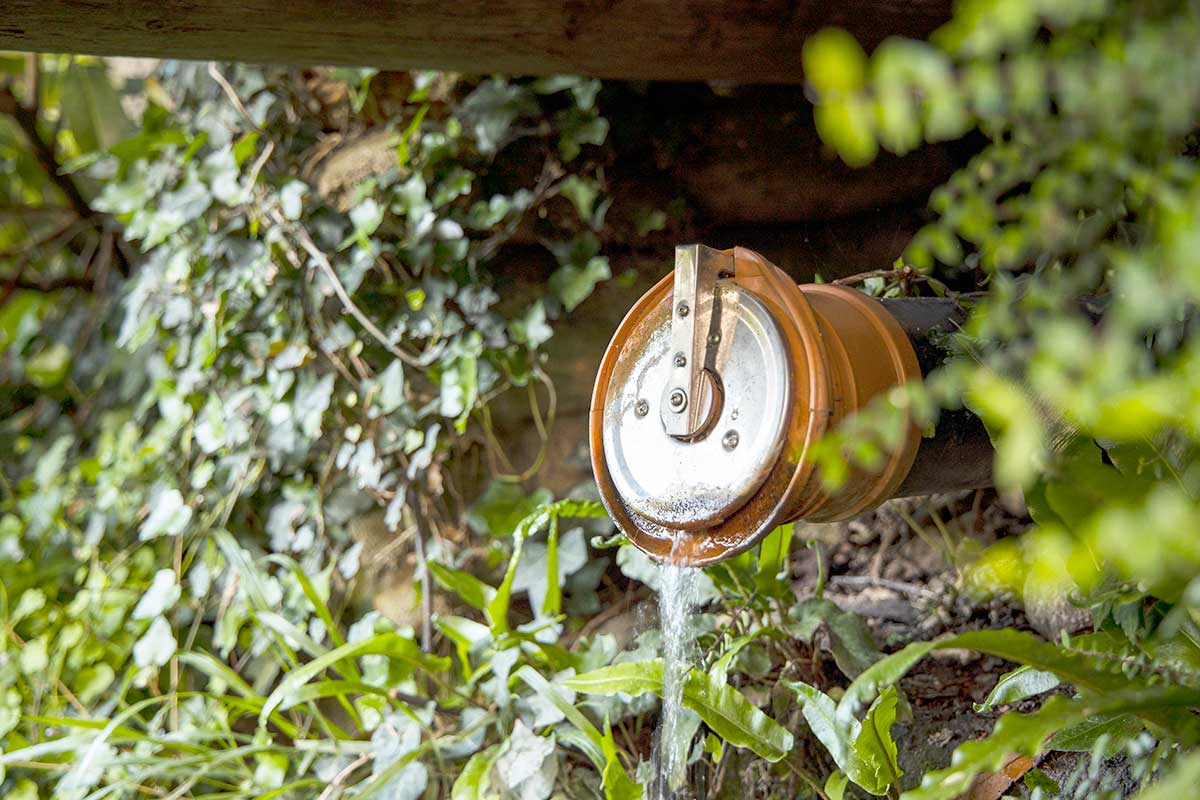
[677, 596]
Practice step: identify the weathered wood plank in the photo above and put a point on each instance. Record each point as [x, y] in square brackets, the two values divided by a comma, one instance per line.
[745, 41]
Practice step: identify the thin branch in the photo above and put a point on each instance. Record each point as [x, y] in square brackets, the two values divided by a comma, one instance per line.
[335, 785]
[50, 284]
[595, 623]
[26, 118]
[422, 521]
[861, 581]
[545, 189]
[258, 165]
[904, 273]
[231, 94]
[322, 261]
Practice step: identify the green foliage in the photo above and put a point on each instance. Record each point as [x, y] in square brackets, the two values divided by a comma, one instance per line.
[256, 351]
[864, 752]
[726, 712]
[249, 308]
[1076, 206]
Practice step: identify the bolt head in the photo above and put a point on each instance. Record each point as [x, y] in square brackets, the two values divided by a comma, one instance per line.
[680, 360]
[730, 440]
[714, 338]
[683, 309]
[642, 408]
[677, 399]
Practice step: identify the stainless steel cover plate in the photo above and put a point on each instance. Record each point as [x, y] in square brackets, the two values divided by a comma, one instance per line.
[693, 485]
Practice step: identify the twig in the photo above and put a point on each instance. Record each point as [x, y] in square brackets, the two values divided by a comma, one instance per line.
[258, 165]
[50, 284]
[177, 563]
[231, 94]
[860, 581]
[26, 117]
[495, 450]
[904, 273]
[322, 261]
[885, 541]
[422, 522]
[808, 779]
[336, 784]
[543, 190]
[596, 622]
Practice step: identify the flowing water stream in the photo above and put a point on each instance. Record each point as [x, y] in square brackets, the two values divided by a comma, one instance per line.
[678, 596]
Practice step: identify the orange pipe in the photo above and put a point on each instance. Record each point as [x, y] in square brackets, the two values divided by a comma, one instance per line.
[844, 349]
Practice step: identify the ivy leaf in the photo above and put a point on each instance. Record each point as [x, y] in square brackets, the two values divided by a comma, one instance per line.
[502, 506]
[291, 199]
[582, 192]
[366, 218]
[168, 516]
[391, 387]
[156, 646]
[573, 284]
[162, 595]
[526, 764]
[576, 128]
[460, 389]
[532, 329]
[492, 108]
[546, 566]
[398, 737]
[312, 400]
[853, 646]
[584, 90]
[49, 366]
[591, 742]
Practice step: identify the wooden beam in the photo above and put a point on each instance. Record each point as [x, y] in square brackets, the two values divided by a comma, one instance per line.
[743, 41]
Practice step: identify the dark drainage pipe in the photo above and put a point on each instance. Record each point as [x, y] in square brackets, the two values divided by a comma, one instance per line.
[959, 454]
